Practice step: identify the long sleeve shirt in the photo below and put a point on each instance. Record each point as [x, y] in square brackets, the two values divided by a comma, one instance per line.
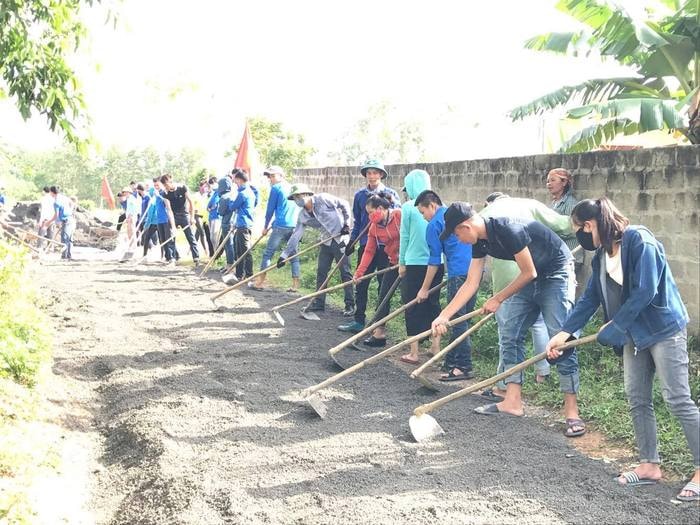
[386, 235]
[283, 210]
[328, 213]
[359, 212]
[243, 206]
[458, 256]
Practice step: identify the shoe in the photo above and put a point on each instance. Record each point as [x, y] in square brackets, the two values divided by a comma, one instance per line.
[171, 262]
[352, 327]
[349, 311]
[375, 342]
[196, 262]
[315, 307]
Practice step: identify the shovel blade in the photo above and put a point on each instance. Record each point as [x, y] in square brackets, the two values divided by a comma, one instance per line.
[427, 383]
[229, 278]
[279, 317]
[424, 427]
[317, 406]
[310, 316]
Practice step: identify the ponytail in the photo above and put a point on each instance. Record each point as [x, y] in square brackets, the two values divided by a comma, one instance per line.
[611, 222]
[382, 199]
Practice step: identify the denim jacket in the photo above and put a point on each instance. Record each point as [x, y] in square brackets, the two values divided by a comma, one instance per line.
[652, 308]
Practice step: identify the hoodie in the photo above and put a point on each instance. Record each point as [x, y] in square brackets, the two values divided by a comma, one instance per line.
[413, 249]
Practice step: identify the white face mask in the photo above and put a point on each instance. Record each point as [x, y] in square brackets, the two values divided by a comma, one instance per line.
[300, 201]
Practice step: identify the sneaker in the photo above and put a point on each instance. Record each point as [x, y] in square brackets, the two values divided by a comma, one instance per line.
[352, 327]
[349, 311]
[315, 307]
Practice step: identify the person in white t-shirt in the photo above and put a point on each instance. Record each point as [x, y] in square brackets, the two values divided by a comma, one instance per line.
[46, 212]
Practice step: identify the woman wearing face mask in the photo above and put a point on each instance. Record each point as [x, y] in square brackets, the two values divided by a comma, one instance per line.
[646, 323]
[384, 231]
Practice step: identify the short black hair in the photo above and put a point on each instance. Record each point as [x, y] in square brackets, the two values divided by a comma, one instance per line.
[212, 180]
[165, 178]
[495, 195]
[156, 179]
[427, 197]
[54, 189]
[139, 187]
[240, 174]
[46, 189]
[132, 183]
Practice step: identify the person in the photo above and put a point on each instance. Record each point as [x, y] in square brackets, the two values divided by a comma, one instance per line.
[122, 204]
[503, 272]
[182, 209]
[2, 197]
[374, 173]
[64, 217]
[413, 265]
[331, 215]
[144, 192]
[226, 196]
[132, 211]
[285, 215]
[544, 284]
[212, 209]
[645, 321]
[243, 206]
[560, 183]
[160, 219]
[201, 218]
[385, 225]
[458, 256]
[46, 211]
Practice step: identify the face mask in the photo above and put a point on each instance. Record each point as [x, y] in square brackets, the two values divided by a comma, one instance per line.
[376, 216]
[299, 201]
[585, 240]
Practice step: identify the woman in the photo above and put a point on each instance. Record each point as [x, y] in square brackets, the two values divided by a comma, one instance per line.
[385, 224]
[413, 264]
[560, 186]
[646, 322]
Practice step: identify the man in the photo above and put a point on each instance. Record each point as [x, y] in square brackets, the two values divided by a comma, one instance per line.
[182, 209]
[373, 171]
[46, 211]
[285, 215]
[458, 256]
[331, 215]
[132, 212]
[545, 284]
[243, 206]
[201, 217]
[63, 216]
[212, 209]
[226, 196]
[160, 219]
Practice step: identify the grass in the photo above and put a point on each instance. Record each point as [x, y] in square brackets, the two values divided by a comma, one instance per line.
[602, 398]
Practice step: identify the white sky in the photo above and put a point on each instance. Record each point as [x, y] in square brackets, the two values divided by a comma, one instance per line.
[176, 73]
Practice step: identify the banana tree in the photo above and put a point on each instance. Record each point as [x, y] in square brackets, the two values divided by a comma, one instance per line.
[661, 51]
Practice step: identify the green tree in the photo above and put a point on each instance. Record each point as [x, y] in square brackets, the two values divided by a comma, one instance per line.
[276, 145]
[662, 51]
[35, 39]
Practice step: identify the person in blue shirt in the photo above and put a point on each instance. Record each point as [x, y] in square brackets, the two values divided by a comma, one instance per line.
[2, 198]
[213, 209]
[374, 173]
[243, 206]
[645, 322]
[285, 214]
[458, 257]
[159, 219]
[63, 216]
[226, 195]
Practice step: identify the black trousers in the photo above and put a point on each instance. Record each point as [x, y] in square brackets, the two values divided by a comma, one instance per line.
[182, 221]
[241, 243]
[388, 280]
[326, 256]
[164, 233]
[379, 262]
[420, 316]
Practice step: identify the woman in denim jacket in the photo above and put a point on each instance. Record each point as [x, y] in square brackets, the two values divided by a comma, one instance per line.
[646, 322]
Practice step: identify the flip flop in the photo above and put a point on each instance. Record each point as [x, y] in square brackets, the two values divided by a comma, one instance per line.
[570, 424]
[633, 479]
[451, 376]
[488, 395]
[492, 410]
[693, 487]
[408, 360]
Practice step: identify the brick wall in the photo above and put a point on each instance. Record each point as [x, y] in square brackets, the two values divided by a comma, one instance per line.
[659, 188]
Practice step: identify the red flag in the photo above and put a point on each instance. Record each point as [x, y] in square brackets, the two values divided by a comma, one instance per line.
[107, 194]
[247, 157]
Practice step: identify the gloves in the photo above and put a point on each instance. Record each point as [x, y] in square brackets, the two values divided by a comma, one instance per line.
[349, 248]
[281, 262]
[345, 230]
[610, 335]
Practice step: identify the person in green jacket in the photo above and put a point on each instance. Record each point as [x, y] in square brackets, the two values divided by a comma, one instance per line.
[413, 263]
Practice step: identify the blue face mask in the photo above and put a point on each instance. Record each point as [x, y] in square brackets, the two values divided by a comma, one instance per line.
[299, 201]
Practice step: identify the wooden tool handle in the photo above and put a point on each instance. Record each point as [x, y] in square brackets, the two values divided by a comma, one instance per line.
[418, 371]
[429, 407]
[381, 322]
[340, 261]
[252, 247]
[217, 252]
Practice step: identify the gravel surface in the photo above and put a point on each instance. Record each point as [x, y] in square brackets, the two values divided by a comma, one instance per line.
[195, 418]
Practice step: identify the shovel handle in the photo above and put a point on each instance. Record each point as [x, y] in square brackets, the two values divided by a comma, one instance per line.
[269, 268]
[23, 243]
[337, 348]
[162, 244]
[216, 254]
[376, 357]
[37, 236]
[322, 291]
[429, 407]
[252, 247]
[418, 371]
[340, 261]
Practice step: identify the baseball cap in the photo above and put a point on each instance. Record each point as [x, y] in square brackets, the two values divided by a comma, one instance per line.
[273, 170]
[456, 213]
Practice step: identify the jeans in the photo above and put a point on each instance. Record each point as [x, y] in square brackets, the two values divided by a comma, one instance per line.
[379, 262]
[225, 227]
[540, 338]
[241, 241]
[669, 359]
[183, 221]
[67, 230]
[326, 256]
[215, 233]
[461, 355]
[278, 235]
[164, 234]
[553, 297]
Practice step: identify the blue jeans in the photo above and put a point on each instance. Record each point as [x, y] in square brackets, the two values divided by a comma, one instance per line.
[540, 338]
[553, 297]
[461, 355]
[225, 227]
[67, 230]
[279, 234]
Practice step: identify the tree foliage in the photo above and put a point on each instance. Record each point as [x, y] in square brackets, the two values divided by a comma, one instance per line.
[661, 48]
[36, 37]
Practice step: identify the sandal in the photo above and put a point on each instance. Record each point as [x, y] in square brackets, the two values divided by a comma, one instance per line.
[407, 359]
[633, 480]
[571, 424]
[452, 376]
[489, 395]
[693, 487]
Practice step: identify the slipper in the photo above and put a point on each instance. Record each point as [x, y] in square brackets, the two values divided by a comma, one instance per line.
[570, 424]
[492, 410]
[406, 359]
[488, 395]
[693, 487]
[292, 290]
[451, 376]
[633, 479]
[256, 288]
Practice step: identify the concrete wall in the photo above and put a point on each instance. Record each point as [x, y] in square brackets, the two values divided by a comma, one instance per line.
[659, 188]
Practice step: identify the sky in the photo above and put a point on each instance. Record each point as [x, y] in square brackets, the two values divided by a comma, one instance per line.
[175, 73]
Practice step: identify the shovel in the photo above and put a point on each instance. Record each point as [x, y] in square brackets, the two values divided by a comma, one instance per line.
[23, 243]
[233, 266]
[359, 335]
[319, 406]
[424, 427]
[214, 297]
[216, 254]
[322, 291]
[416, 374]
